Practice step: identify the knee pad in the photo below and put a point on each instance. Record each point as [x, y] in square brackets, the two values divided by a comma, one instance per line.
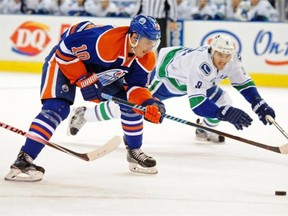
[57, 107]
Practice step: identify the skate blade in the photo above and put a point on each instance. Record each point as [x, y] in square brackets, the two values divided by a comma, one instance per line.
[72, 113]
[30, 176]
[207, 140]
[139, 169]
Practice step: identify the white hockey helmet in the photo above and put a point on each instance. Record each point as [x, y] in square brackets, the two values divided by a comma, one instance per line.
[223, 44]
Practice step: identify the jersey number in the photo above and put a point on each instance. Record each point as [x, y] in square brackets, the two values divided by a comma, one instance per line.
[81, 52]
[198, 85]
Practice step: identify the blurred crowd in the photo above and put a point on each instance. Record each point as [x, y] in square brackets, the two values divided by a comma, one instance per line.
[236, 10]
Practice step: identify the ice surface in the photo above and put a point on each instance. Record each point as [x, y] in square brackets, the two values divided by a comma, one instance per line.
[194, 178]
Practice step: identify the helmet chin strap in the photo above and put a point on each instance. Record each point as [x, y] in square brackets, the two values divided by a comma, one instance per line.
[133, 46]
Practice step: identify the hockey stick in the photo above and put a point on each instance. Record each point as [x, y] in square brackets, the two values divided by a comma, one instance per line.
[281, 149]
[272, 120]
[108, 147]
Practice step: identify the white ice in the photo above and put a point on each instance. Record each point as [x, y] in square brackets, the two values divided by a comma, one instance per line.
[194, 178]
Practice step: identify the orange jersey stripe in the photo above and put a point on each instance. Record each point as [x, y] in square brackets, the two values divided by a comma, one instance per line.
[47, 91]
[72, 70]
[148, 61]
[41, 130]
[139, 95]
[73, 29]
[110, 44]
[114, 39]
[63, 57]
[132, 128]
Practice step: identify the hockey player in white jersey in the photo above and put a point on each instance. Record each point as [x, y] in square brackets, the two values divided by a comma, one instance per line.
[196, 73]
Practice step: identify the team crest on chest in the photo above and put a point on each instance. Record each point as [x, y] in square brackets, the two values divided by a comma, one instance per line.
[205, 68]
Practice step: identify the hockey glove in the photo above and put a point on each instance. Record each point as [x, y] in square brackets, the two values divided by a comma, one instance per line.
[235, 116]
[261, 108]
[154, 110]
[91, 88]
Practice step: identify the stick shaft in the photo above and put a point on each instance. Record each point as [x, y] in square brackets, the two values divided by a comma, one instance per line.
[272, 120]
[101, 151]
[182, 121]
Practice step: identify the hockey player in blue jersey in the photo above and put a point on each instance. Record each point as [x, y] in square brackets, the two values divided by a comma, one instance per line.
[84, 52]
[196, 73]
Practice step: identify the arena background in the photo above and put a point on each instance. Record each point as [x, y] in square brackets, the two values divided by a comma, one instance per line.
[263, 46]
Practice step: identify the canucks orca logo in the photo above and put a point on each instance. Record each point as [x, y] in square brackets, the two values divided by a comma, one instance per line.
[205, 68]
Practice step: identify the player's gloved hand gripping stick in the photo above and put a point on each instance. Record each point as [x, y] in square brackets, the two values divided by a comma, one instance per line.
[153, 110]
[262, 109]
[91, 86]
[281, 149]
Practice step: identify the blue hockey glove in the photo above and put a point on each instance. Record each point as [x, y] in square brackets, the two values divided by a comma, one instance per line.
[154, 110]
[235, 116]
[91, 88]
[261, 108]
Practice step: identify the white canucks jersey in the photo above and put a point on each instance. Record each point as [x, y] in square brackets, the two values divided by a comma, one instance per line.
[191, 71]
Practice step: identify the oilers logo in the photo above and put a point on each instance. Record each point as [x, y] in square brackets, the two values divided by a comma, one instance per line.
[142, 20]
[110, 76]
[119, 73]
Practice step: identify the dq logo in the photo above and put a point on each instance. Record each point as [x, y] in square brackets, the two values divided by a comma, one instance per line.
[30, 38]
[208, 37]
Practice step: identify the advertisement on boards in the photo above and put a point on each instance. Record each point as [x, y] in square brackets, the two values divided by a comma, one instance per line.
[30, 38]
[262, 46]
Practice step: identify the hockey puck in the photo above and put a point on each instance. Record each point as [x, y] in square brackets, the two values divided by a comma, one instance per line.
[280, 193]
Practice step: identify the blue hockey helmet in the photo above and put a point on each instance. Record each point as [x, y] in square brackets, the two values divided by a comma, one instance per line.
[145, 26]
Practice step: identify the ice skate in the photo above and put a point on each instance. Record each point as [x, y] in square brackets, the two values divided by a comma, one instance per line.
[139, 162]
[23, 170]
[76, 121]
[203, 135]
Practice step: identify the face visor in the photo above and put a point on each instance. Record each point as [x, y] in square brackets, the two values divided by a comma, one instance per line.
[145, 44]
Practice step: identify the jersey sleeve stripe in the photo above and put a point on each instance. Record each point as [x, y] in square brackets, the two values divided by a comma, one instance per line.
[41, 130]
[132, 128]
[138, 95]
[62, 48]
[62, 57]
[49, 80]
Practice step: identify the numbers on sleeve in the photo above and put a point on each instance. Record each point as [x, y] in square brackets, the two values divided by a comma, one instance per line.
[81, 52]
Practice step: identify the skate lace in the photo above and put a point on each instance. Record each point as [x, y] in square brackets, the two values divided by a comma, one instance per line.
[139, 154]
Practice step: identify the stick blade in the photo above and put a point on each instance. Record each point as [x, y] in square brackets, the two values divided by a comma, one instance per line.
[105, 149]
[284, 149]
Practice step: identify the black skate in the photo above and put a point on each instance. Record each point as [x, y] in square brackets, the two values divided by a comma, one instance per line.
[23, 170]
[76, 121]
[139, 162]
[204, 135]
